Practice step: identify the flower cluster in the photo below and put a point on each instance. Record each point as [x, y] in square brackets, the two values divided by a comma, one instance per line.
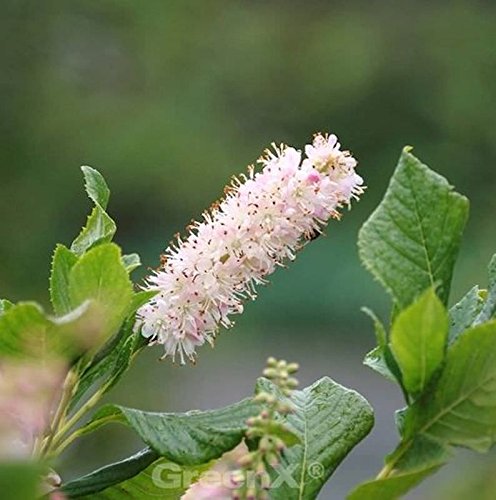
[263, 220]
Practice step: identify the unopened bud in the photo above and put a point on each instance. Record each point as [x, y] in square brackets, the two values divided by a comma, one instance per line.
[293, 367]
[271, 361]
[292, 383]
[265, 444]
[270, 373]
[246, 460]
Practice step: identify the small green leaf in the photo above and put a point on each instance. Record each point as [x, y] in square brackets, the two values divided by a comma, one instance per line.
[422, 459]
[5, 305]
[99, 276]
[62, 263]
[463, 314]
[376, 360]
[330, 421]
[110, 475]
[412, 239]
[462, 408]
[489, 308]
[141, 298]
[189, 438]
[100, 228]
[380, 358]
[131, 262]
[418, 339]
[96, 187]
[380, 331]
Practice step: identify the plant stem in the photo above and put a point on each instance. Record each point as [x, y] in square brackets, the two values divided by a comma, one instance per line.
[58, 439]
[43, 444]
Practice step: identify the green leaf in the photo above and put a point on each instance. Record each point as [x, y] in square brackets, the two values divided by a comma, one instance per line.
[26, 332]
[100, 228]
[144, 475]
[188, 438]
[489, 308]
[380, 358]
[62, 263]
[99, 276]
[141, 298]
[5, 305]
[463, 314]
[111, 362]
[110, 475]
[459, 410]
[330, 421]
[380, 331]
[423, 459]
[107, 371]
[376, 360]
[412, 239]
[96, 187]
[19, 480]
[462, 408]
[418, 339]
[131, 262]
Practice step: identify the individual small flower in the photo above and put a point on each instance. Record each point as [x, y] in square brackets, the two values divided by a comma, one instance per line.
[264, 219]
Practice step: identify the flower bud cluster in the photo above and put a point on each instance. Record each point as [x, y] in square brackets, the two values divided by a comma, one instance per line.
[268, 430]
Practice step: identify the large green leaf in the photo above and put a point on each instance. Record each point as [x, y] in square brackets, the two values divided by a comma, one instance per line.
[330, 421]
[144, 475]
[411, 240]
[418, 339]
[100, 276]
[62, 263]
[96, 187]
[424, 458]
[462, 408]
[188, 438]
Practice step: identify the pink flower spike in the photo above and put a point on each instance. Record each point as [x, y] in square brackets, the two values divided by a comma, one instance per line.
[264, 219]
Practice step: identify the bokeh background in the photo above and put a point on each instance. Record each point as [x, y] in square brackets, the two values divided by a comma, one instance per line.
[170, 98]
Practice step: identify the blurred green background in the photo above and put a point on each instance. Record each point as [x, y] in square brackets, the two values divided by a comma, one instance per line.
[170, 98]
